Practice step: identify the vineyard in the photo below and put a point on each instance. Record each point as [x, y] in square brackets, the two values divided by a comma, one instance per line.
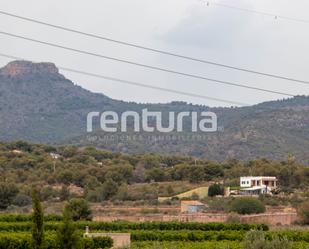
[15, 233]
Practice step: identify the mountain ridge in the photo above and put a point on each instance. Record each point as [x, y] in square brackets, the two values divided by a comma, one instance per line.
[38, 104]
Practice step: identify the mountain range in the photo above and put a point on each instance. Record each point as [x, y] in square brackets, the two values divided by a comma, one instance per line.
[38, 104]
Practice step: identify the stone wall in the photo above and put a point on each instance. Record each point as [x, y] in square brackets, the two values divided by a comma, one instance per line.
[267, 218]
[272, 219]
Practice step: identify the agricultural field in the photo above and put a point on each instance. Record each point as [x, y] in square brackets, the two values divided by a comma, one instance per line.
[15, 233]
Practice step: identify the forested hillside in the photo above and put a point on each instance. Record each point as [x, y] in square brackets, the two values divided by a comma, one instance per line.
[38, 104]
[100, 175]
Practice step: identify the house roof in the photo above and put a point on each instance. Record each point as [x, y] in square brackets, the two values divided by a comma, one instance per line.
[192, 203]
[260, 177]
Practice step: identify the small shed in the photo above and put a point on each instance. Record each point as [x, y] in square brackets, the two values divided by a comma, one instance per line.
[192, 207]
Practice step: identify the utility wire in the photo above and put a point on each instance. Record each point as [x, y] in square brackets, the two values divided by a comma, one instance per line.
[147, 66]
[156, 50]
[209, 3]
[137, 83]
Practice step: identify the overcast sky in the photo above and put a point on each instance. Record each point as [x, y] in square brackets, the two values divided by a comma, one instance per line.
[187, 27]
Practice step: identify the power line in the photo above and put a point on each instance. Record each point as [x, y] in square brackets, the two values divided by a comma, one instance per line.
[137, 83]
[155, 50]
[209, 3]
[147, 66]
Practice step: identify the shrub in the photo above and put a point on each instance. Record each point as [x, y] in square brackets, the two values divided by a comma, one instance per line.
[131, 226]
[303, 212]
[8, 192]
[109, 189]
[23, 241]
[79, 209]
[233, 218]
[269, 200]
[64, 193]
[22, 200]
[215, 189]
[219, 204]
[27, 218]
[187, 235]
[258, 240]
[247, 205]
[102, 242]
[47, 193]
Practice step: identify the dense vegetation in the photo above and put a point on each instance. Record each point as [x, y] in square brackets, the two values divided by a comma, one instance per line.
[100, 175]
[17, 226]
[211, 245]
[247, 205]
[23, 241]
[215, 189]
[158, 235]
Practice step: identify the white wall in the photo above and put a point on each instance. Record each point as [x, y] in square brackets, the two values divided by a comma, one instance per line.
[245, 182]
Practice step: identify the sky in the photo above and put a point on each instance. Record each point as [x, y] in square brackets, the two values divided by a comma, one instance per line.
[187, 27]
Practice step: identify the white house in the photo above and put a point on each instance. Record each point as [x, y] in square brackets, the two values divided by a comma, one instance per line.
[256, 185]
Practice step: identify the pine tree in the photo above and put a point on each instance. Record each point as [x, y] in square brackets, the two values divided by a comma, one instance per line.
[38, 221]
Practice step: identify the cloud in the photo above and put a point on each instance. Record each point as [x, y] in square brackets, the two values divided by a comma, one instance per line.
[181, 26]
[209, 28]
